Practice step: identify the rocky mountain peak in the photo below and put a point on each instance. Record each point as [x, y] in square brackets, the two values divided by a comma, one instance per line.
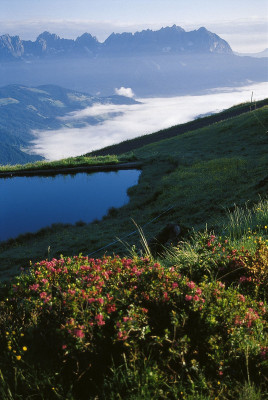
[170, 39]
[86, 38]
[48, 36]
[10, 47]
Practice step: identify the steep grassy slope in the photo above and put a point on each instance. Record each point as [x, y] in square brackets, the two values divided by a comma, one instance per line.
[195, 175]
[133, 144]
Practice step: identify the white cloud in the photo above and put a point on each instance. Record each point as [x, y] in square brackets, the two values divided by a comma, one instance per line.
[103, 110]
[128, 92]
[136, 120]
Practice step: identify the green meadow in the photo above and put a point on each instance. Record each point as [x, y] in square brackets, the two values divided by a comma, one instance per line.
[72, 162]
[197, 176]
[90, 312]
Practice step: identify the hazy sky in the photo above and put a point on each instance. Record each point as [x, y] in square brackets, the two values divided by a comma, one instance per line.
[242, 22]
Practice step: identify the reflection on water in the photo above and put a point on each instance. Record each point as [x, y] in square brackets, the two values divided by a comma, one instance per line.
[29, 204]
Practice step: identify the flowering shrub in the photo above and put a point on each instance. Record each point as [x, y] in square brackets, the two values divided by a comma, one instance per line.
[217, 258]
[78, 314]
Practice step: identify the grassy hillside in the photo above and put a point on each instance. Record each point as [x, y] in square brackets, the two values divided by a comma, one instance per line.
[198, 123]
[196, 175]
[67, 163]
[188, 323]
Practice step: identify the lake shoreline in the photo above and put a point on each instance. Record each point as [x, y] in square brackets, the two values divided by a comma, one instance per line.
[68, 170]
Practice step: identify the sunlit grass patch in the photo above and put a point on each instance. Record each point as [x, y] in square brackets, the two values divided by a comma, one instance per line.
[64, 163]
[247, 222]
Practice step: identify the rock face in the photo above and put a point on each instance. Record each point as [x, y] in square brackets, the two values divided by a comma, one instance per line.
[174, 40]
[11, 47]
[49, 45]
[167, 236]
[167, 40]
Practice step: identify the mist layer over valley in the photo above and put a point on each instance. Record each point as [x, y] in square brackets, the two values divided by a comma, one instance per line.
[117, 123]
[176, 75]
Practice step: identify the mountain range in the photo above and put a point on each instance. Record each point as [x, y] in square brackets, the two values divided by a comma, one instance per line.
[24, 109]
[167, 62]
[174, 40]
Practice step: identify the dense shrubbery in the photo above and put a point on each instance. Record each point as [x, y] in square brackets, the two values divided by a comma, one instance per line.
[218, 259]
[132, 328]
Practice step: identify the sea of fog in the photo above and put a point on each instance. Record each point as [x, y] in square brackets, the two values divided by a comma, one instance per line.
[151, 115]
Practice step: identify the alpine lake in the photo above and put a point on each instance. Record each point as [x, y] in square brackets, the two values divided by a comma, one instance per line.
[28, 204]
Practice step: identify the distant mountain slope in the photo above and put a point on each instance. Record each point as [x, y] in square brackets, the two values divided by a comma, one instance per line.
[10, 155]
[261, 54]
[166, 40]
[23, 109]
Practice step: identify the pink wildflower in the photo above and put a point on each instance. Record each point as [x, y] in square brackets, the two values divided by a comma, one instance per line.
[122, 335]
[166, 296]
[191, 284]
[34, 287]
[79, 333]
[99, 319]
[111, 308]
[241, 297]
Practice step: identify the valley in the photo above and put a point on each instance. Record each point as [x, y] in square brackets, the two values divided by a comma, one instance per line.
[25, 109]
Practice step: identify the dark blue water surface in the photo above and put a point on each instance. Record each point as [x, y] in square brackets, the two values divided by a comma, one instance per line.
[28, 204]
